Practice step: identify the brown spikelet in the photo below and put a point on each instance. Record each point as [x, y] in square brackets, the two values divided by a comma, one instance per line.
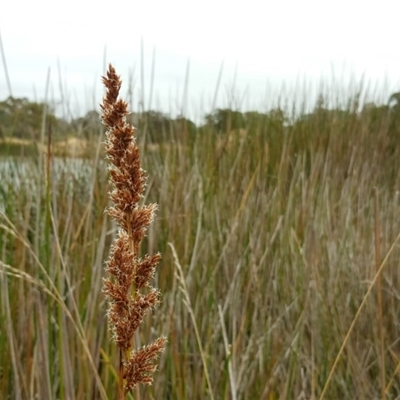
[139, 367]
[128, 273]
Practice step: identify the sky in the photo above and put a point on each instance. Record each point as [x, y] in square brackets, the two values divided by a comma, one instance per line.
[171, 54]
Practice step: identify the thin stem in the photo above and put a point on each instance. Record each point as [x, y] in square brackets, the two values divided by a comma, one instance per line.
[379, 294]
[133, 250]
[121, 392]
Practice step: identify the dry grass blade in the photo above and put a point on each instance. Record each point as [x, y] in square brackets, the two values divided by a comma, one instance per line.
[371, 286]
[228, 351]
[11, 335]
[379, 294]
[185, 292]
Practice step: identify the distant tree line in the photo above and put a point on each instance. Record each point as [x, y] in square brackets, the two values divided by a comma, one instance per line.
[23, 119]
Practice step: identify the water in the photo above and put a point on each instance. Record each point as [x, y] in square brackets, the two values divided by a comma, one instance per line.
[26, 175]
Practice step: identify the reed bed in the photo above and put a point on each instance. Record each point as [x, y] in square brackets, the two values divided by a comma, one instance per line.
[269, 239]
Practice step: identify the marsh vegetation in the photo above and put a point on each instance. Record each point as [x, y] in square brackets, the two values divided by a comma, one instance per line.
[272, 227]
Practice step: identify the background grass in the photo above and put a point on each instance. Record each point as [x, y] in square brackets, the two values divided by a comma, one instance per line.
[267, 231]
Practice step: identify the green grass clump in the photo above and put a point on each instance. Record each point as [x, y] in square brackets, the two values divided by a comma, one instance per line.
[267, 231]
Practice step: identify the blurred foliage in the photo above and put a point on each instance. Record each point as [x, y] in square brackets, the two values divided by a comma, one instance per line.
[23, 119]
[86, 125]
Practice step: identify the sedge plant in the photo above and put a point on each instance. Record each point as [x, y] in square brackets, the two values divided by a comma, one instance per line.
[129, 293]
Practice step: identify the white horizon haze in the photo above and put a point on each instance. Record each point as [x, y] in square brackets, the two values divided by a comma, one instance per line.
[266, 50]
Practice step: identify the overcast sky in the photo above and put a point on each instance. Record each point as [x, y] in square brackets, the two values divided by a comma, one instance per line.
[266, 49]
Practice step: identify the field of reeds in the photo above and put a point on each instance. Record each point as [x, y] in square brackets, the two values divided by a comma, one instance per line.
[271, 238]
